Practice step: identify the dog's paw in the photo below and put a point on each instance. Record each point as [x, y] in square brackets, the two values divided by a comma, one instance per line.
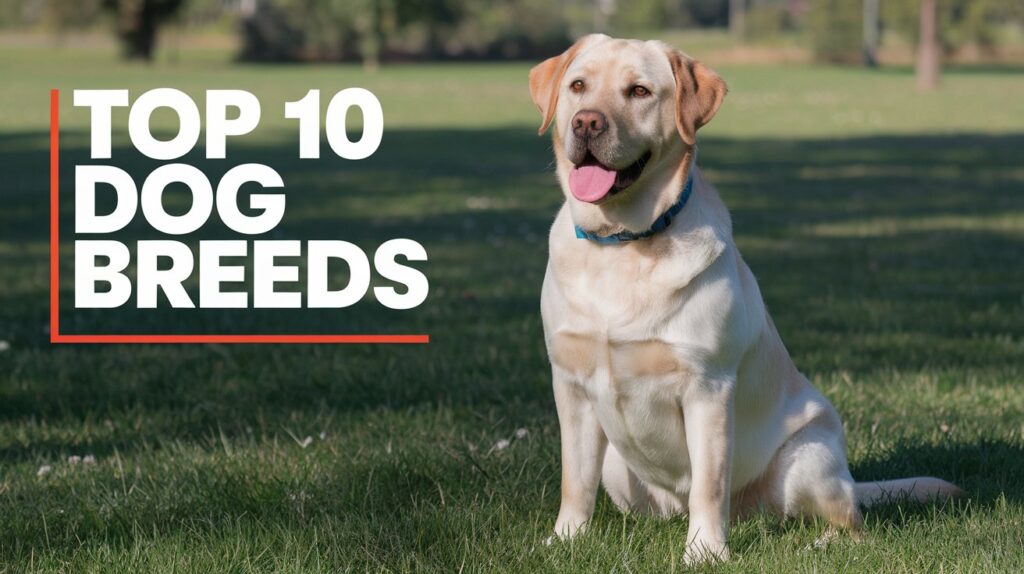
[564, 537]
[567, 528]
[831, 535]
[705, 551]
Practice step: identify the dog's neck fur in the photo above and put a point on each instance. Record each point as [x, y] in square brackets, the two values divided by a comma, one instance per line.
[635, 210]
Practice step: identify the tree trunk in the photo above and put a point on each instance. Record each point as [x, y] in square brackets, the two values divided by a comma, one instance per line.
[603, 11]
[369, 28]
[136, 26]
[140, 40]
[928, 61]
[737, 18]
[871, 39]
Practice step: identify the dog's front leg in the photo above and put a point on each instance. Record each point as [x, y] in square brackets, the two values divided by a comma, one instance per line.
[708, 418]
[583, 448]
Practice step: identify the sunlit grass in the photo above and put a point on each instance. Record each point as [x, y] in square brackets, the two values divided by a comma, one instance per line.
[884, 228]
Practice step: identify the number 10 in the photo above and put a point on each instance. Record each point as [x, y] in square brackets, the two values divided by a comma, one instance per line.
[307, 111]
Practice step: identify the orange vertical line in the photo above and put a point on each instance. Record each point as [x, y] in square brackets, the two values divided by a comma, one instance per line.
[54, 215]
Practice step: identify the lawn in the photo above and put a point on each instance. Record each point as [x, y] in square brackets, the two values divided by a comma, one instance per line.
[886, 229]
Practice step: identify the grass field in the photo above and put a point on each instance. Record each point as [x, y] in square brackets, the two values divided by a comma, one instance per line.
[886, 229]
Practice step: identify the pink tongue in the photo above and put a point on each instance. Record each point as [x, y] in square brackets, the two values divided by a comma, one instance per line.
[590, 183]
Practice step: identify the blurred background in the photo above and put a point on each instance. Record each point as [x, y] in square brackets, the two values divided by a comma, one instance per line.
[850, 32]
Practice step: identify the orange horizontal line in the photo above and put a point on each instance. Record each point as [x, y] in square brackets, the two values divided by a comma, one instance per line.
[256, 339]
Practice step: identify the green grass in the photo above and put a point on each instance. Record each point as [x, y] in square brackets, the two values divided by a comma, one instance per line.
[886, 229]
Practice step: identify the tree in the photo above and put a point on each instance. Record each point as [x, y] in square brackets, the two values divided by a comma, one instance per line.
[737, 20]
[928, 47]
[957, 23]
[138, 22]
[835, 28]
[871, 36]
[62, 17]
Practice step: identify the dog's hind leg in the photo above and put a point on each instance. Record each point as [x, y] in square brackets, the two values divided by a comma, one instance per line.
[631, 494]
[813, 478]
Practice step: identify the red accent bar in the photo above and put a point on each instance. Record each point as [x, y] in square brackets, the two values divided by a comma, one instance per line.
[54, 215]
[242, 339]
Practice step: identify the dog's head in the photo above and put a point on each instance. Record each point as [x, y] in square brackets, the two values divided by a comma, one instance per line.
[625, 114]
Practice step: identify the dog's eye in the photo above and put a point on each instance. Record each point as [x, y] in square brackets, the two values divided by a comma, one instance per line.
[577, 86]
[639, 92]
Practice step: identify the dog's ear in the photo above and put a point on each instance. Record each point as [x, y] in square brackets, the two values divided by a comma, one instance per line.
[699, 94]
[546, 76]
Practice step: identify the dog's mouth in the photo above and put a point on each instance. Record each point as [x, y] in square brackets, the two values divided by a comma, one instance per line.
[592, 182]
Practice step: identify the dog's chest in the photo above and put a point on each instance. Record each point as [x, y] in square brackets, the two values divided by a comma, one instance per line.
[619, 292]
[631, 327]
[620, 338]
[635, 388]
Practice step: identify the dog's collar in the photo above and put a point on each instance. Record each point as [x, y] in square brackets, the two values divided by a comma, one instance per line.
[659, 225]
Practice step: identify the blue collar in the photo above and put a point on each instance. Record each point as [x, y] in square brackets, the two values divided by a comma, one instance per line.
[658, 226]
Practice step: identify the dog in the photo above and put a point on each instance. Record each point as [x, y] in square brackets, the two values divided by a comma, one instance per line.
[672, 385]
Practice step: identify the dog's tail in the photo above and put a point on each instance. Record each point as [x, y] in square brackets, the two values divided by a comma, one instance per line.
[918, 489]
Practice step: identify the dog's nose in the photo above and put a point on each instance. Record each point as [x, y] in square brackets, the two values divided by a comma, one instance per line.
[589, 124]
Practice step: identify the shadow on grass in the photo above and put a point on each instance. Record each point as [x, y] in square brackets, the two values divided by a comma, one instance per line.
[988, 471]
[888, 253]
[882, 253]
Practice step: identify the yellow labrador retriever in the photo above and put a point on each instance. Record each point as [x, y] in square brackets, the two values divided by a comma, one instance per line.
[671, 382]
